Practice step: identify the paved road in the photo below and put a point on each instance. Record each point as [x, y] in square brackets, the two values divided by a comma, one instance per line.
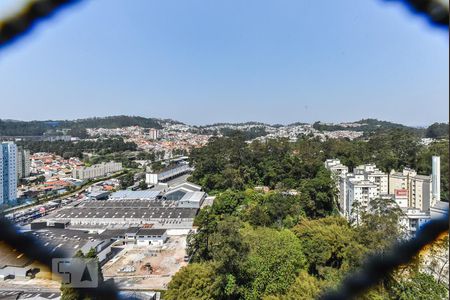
[65, 196]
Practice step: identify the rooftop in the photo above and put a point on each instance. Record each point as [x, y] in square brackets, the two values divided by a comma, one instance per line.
[10, 257]
[125, 212]
[193, 196]
[125, 194]
[441, 205]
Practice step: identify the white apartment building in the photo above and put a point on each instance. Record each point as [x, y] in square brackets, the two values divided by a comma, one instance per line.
[99, 170]
[344, 204]
[361, 192]
[337, 170]
[375, 175]
[335, 167]
[8, 173]
[154, 134]
[363, 176]
[408, 189]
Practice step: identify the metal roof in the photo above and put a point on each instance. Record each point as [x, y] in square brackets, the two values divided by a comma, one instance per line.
[193, 196]
[125, 194]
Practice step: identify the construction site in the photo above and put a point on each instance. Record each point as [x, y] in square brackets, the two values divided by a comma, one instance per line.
[147, 267]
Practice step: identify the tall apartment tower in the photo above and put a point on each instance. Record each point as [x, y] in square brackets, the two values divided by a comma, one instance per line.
[436, 179]
[23, 163]
[8, 173]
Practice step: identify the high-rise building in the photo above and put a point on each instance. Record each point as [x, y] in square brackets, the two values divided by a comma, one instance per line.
[418, 187]
[8, 173]
[23, 163]
[375, 175]
[337, 170]
[366, 183]
[154, 134]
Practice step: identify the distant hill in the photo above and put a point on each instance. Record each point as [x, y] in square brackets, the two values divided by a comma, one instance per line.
[366, 126]
[255, 129]
[37, 128]
[250, 123]
[437, 131]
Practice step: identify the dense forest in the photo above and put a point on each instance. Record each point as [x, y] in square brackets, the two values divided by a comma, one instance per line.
[437, 130]
[230, 162]
[75, 149]
[75, 127]
[289, 243]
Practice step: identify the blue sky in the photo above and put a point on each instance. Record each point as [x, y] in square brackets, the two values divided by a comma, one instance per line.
[198, 61]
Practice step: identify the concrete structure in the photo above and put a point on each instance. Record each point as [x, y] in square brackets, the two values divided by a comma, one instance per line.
[23, 163]
[366, 183]
[14, 264]
[99, 170]
[436, 179]
[418, 187]
[335, 167]
[138, 236]
[136, 195]
[401, 198]
[154, 134]
[375, 175]
[71, 241]
[361, 192]
[151, 178]
[439, 210]
[192, 200]
[98, 195]
[168, 174]
[363, 176]
[126, 213]
[337, 170]
[412, 220]
[8, 173]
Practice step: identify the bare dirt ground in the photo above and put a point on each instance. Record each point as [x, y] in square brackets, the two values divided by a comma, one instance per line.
[129, 269]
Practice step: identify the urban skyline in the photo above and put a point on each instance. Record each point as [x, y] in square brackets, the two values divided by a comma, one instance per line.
[244, 121]
[262, 61]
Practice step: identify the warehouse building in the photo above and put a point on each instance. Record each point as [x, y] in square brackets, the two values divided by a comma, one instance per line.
[126, 213]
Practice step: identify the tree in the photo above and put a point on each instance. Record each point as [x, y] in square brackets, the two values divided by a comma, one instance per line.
[329, 245]
[274, 260]
[305, 287]
[437, 130]
[157, 166]
[227, 247]
[70, 293]
[197, 281]
[142, 185]
[92, 254]
[421, 286]
[317, 195]
[126, 180]
[198, 246]
[379, 225]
